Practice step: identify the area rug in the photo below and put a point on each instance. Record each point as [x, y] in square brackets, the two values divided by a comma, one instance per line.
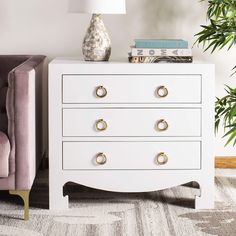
[98, 213]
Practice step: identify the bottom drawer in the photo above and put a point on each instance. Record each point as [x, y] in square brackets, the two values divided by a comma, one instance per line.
[131, 155]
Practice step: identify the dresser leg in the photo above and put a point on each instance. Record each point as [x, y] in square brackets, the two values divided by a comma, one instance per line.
[206, 198]
[56, 199]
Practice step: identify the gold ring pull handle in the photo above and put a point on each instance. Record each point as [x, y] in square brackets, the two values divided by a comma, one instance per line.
[162, 92]
[101, 158]
[101, 92]
[101, 125]
[162, 125]
[161, 158]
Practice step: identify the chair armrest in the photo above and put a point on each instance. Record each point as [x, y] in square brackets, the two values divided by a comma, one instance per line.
[25, 114]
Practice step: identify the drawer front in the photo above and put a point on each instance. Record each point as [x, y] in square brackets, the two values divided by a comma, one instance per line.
[132, 89]
[131, 155]
[131, 122]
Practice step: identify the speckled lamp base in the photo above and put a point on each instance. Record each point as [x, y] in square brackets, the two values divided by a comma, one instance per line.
[97, 44]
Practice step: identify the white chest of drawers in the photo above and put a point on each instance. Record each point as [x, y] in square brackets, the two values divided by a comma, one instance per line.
[130, 127]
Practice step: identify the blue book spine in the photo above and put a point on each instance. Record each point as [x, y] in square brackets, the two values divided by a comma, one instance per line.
[161, 43]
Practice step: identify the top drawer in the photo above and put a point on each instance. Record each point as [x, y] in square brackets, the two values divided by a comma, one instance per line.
[118, 89]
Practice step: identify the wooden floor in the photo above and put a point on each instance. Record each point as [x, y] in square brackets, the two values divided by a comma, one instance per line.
[225, 162]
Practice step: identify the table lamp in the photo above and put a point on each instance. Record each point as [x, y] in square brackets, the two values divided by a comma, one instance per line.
[97, 44]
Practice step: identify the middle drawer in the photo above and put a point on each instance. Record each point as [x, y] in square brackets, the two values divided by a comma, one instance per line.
[131, 122]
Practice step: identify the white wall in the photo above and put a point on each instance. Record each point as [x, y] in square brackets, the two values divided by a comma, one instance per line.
[45, 27]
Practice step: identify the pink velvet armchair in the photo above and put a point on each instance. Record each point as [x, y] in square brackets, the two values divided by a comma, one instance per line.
[21, 144]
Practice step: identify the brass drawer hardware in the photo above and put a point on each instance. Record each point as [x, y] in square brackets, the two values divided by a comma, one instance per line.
[162, 125]
[101, 158]
[162, 92]
[161, 158]
[101, 125]
[101, 92]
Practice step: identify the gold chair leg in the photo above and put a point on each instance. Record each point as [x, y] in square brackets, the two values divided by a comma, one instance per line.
[24, 194]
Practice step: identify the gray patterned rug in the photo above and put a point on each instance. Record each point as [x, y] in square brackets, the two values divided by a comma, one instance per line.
[98, 213]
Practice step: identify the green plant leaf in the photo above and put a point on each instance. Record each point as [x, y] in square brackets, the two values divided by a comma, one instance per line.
[219, 33]
[232, 136]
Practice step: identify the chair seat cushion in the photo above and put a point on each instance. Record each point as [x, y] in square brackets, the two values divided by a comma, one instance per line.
[4, 155]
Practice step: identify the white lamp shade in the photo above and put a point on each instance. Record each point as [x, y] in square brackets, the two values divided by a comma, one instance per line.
[97, 6]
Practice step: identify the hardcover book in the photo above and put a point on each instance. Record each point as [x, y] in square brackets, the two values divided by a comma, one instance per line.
[158, 59]
[161, 43]
[160, 52]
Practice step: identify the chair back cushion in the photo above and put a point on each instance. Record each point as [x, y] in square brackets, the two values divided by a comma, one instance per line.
[7, 64]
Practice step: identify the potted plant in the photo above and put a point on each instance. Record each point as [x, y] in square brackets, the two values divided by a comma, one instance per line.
[220, 33]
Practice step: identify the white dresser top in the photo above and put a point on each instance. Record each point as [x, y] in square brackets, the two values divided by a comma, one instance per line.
[122, 66]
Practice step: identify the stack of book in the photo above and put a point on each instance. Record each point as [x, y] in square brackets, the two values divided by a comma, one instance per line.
[160, 50]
